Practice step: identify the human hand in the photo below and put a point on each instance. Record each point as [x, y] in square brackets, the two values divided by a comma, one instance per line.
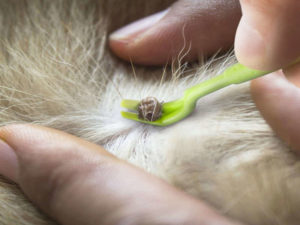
[267, 38]
[77, 182]
[276, 43]
[205, 25]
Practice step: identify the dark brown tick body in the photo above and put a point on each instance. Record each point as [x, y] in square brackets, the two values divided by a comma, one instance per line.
[149, 109]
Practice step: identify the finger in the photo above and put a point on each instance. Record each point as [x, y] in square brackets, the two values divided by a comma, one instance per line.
[269, 32]
[278, 99]
[77, 182]
[203, 26]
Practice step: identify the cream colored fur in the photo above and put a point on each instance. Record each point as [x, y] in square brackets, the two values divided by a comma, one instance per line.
[56, 70]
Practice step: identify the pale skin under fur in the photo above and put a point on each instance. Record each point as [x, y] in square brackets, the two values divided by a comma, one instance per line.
[56, 70]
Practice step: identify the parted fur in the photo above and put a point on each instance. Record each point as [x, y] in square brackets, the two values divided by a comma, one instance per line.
[56, 70]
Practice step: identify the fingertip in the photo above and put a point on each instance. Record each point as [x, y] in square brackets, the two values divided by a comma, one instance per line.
[155, 46]
[9, 165]
[141, 53]
[135, 29]
[27, 150]
[278, 100]
[250, 46]
[184, 32]
[13, 139]
[267, 36]
[134, 41]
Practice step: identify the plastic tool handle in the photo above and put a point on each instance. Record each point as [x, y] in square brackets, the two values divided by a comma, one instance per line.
[235, 74]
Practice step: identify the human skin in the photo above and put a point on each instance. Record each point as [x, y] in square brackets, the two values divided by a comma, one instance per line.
[267, 38]
[77, 182]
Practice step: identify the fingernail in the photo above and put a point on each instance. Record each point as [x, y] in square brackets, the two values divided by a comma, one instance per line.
[133, 30]
[8, 161]
[250, 45]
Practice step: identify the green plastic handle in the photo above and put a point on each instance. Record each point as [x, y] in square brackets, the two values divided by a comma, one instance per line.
[235, 74]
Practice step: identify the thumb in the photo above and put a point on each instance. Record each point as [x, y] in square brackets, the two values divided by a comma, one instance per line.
[268, 34]
[77, 182]
[193, 27]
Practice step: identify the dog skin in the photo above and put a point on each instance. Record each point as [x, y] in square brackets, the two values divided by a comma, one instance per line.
[56, 71]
